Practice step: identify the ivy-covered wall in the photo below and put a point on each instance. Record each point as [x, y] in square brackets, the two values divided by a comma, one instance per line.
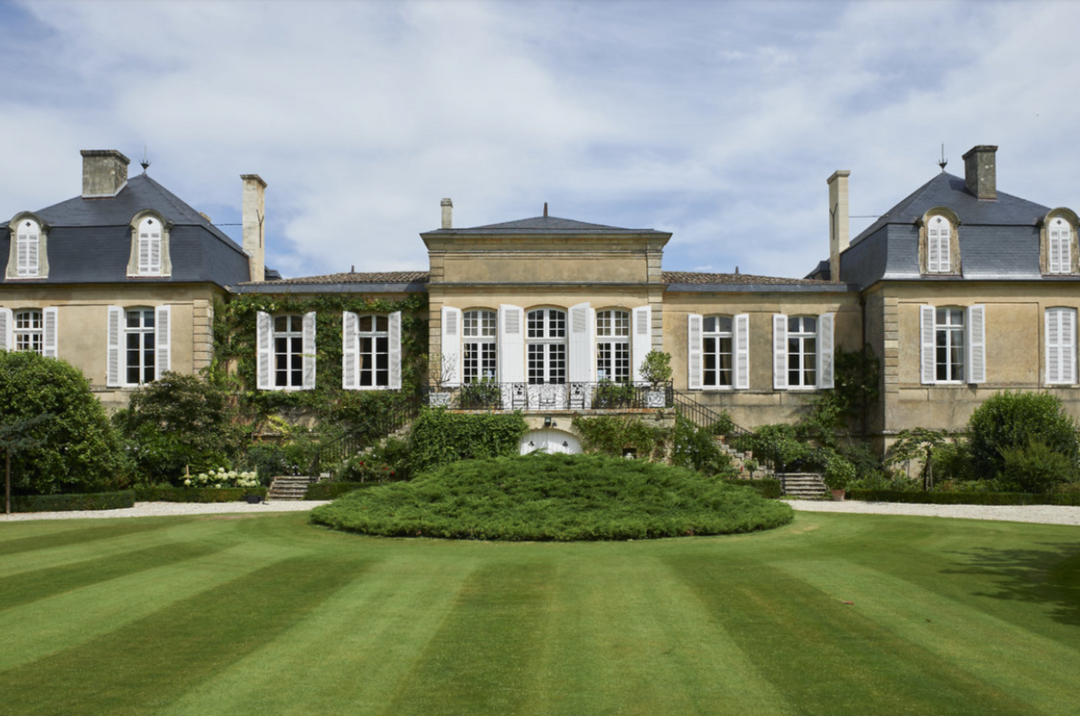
[235, 347]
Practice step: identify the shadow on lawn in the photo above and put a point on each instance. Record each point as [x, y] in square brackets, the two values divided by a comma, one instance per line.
[1044, 576]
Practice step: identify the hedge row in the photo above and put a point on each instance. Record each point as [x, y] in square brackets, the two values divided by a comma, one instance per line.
[768, 487]
[159, 493]
[68, 503]
[963, 498]
[334, 490]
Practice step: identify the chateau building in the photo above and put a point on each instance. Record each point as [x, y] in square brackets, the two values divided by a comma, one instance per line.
[959, 290]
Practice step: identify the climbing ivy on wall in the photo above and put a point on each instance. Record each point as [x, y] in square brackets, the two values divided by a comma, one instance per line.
[235, 355]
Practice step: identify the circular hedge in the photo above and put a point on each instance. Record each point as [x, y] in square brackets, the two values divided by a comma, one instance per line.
[554, 497]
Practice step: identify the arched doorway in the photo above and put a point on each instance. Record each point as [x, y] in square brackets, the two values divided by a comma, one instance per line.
[550, 441]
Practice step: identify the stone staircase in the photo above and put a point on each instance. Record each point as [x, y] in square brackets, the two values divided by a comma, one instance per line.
[804, 484]
[739, 460]
[289, 487]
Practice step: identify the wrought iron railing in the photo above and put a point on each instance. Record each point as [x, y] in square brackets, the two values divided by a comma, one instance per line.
[572, 395]
[379, 426]
[703, 416]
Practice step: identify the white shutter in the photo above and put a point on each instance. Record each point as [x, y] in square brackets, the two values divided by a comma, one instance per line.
[693, 351]
[511, 344]
[741, 340]
[155, 254]
[144, 253]
[1068, 346]
[49, 329]
[976, 343]
[308, 347]
[264, 325]
[641, 332]
[23, 259]
[926, 343]
[350, 350]
[114, 362]
[451, 347]
[32, 255]
[780, 358]
[825, 340]
[7, 335]
[163, 340]
[1052, 321]
[581, 360]
[395, 350]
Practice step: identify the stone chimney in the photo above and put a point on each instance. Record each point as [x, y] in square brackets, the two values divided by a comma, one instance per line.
[447, 214]
[104, 173]
[839, 238]
[254, 215]
[980, 172]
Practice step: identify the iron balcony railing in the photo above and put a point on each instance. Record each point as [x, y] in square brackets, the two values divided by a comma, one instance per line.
[572, 395]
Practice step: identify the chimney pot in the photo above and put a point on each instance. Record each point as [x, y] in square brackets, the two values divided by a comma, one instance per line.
[253, 221]
[447, 213]
[839, 234]
[980, 172]
[104, 173]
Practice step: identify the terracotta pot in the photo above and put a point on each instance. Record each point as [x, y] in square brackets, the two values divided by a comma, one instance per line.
[838, 495]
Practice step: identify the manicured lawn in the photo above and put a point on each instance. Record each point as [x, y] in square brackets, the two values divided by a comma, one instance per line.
[833, 614]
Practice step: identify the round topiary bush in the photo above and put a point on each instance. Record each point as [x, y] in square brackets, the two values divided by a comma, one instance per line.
[554, 497]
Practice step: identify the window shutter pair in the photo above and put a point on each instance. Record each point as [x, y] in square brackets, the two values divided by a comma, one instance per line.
[149, 249]
[937, 246]
[825, 350]
[451, 348]
[740, 347]
[264, 351]
[974, 342]
[1060, 346]
[350, 350]
[115, 360]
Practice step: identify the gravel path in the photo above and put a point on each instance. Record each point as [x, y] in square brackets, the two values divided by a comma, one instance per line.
[158, 509]
[1045, 514]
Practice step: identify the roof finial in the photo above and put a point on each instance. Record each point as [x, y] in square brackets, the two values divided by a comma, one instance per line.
[943, 160]
[352, 269]
[545, 208]
[145, 163]
[736, 270]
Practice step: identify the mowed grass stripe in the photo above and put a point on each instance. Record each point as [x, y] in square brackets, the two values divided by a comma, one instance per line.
[43, 583]
[1029, 667]
[828, 658]
[348, 656]
[151, 662]
[64, 538]
[627, 636]
[483, 658]
[39, 628]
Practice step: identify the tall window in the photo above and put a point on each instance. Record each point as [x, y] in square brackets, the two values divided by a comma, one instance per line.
[1060, 246]
[374, 337]
[29, 334]
[949, 345]
[479, 347]
[545, 346]
[717, 352]
[613, 346]
[289, 351]
[149, 247]
[29, 241]
[938, 239]
[802, 352]
[139, 344]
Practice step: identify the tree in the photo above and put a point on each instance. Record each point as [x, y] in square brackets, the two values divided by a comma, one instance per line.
[74, 450]
[1015, 420]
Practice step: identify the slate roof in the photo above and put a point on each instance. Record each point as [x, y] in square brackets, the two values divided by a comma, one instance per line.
[89, 240]
[693, 277]
[547, 224]
[375, 277]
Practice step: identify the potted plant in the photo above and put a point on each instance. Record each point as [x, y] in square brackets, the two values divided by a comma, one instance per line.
[483, 394]
[839, 474]
[610, 394]
[656, 369]
[440, 372]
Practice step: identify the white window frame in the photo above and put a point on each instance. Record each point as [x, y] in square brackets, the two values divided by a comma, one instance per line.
[1059, 245]
[824, 335]
[128, 331]
[150, 246]
[938, 244]
[973, 331]
[479, 345]
[1060, 336]
[266, 348]
[29, 338]
[740, 348]
[546, 346]
[287, 340]
[353, 368]
[614, 357]
[28, 250]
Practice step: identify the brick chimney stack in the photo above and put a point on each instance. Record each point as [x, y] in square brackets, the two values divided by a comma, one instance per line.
[253, 219]
[980, 172]
[104, 173]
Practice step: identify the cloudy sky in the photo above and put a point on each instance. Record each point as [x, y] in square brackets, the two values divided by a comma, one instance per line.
[716, 121]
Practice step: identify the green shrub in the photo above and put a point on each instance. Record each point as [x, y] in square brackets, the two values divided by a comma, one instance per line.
[952, 461]
[74, 449]
[69, 503]
[439, 437]
[768, 487]
[386, 462]
[839, 472]
[965, 498]
[269, 460]
[1035, 467]
[333, 490]
[612, 434]
[613, 395]
[696, 448]
[1012, 420]
[168, 493]
[554, 497]
[178, 421]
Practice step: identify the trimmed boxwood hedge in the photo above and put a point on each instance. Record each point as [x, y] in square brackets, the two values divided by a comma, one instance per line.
[964, 498]
[73, 502]
[165, 493]
[766, 487]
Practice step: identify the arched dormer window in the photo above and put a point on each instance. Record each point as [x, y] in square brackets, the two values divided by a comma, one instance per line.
[28, 257]
[149, 246]
[1057, 240]
[939, 242]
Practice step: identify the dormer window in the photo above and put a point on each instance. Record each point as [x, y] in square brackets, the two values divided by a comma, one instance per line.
[27, 258]
[938, 238]
[1059, 241]
[149, 246]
